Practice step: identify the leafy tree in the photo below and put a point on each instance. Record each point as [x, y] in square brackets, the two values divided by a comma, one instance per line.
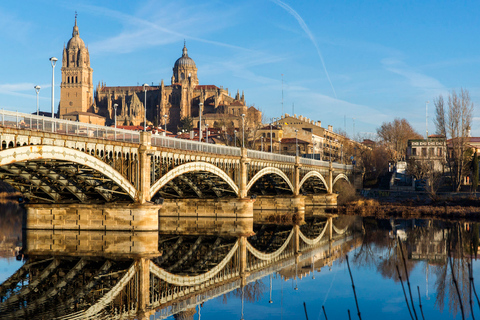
[186, 124]
[453, 120]
[395, 136]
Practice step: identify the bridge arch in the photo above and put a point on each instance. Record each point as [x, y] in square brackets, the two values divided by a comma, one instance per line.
[314, 174]
[340, 176]
[270, 170]
[192, 167]
[40, 152]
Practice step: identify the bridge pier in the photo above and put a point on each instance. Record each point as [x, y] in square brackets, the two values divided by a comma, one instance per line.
[324, 199]
[208, 208]
[144, 167]
[104, 217]
[242, 190]
[330, 178]
[296, 176]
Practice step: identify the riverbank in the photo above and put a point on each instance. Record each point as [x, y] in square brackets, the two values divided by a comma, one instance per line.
[414, 205]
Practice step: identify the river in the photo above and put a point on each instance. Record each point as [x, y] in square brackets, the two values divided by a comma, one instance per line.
[232, 269]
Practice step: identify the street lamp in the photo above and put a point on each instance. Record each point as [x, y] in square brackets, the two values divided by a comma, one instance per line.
[206, 125]
[296, 142]
[271, 141]
[165, 117]
[53, 61]
[200, 105]
[243, 130]
[235, 137]
[37, 90]
[270, 300]
[145, 105]
[115, 108]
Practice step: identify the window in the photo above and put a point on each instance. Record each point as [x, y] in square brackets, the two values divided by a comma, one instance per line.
[273, 135]
[439, 152]
[414, 151]
[431, 152]
[424, 152]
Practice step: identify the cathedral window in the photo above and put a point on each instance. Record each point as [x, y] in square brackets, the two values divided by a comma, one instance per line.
[182, 76]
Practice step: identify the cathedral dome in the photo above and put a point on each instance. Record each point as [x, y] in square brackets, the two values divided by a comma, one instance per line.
[184, 60]
[75, 41]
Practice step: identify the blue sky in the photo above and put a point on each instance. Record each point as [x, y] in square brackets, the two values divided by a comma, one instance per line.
[370, 61]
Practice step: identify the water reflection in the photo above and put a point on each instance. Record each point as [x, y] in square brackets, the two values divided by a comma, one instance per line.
[256, 268]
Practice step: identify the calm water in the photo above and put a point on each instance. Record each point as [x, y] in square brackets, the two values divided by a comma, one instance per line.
[279, 274]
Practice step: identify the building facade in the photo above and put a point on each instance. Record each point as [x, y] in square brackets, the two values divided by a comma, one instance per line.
[431, 151]
[164, 104]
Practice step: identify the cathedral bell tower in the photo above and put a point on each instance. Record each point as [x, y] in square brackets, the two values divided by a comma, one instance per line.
[76, 89]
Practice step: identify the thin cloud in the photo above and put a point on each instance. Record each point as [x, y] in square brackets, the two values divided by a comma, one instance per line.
[416, 79]
[149, 34]
[305, 28]
[14, 28]
[18, 89]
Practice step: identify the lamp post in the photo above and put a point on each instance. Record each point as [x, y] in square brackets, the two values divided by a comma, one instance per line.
[206, 132]
[53, 61]
[270, 300]
[271, 140]
[115, 116]
[37, 90]
[200, 105]
[243, 130]
[115, 108]
[235, 137]
[145, 105]
[296, 142]
[165, 117]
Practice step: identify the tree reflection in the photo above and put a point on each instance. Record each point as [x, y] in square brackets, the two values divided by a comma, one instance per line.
[380, 250]
[253, 292]
[434, 243]
[460, 240]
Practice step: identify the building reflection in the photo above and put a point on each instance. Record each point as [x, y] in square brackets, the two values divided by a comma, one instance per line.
[111, 274]
[445, 249]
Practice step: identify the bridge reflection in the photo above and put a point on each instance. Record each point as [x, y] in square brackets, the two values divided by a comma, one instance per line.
[114, 275]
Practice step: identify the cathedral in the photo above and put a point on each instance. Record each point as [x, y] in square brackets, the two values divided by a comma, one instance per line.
[165, 104]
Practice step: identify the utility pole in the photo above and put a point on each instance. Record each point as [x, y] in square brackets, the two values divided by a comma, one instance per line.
[282, 95]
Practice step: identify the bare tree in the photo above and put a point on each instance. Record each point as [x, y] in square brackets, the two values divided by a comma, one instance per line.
[426, 170]
[395, 136]
[454, 122]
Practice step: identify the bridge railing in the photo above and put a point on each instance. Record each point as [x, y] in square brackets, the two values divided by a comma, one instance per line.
[40, 123]
[188, 145]
[313, 162]
[270, 156]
